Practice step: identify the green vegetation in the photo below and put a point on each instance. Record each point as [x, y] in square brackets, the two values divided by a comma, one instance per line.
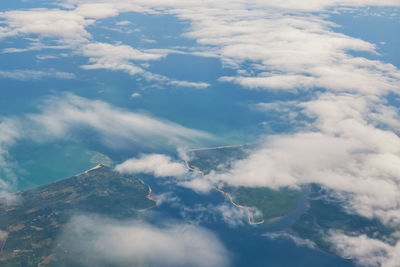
[324, 216]
[207, 160]
[315, 224]
[30, 227]
[271, 203]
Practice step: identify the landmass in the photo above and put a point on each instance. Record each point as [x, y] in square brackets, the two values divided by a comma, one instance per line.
[319, 218]
[29, 227]
[325, 216]
[272, 204]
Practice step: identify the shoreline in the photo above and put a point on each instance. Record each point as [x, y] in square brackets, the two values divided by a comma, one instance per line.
[249, 218]
[149, 196]
[215, 147]
[227, 195]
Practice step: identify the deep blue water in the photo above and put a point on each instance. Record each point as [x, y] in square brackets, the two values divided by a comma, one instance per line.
[381, 30]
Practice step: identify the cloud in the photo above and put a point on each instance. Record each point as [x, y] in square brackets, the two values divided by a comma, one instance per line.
[156, 164]
[290, 45]
[123, 23]
[68, 28]
[345, 153]
[367, 251]
[96, 10]
[232, 216]
[115, 57]
[93, 240]
[60, 116]
[295, 239]
[35, 75]
[68, 116]
[9, 134]
[198, 85]
[160, 165]
[349, 144]
[136, 95]
[48, 23]
[198, 184]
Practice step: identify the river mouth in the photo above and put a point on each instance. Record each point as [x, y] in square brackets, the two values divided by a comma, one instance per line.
[286, 221]
[247, 243]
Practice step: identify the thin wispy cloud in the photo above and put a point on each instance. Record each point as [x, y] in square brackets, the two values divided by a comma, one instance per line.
[29, 75]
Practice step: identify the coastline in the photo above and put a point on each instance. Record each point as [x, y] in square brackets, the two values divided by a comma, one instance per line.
[225, 194]
[149, 196]
[249, 217]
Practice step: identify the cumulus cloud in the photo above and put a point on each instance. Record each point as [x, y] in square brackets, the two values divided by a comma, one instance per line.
[115, 57]
[93, 240]
[50, 23]
[160, 165]
[346, 153]
[156, 164]
[367, 251]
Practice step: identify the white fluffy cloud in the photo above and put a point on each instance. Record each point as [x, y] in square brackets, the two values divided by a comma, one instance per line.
[367, 251]
[115, 57]
[160, 165]
[345, 152]
[48, 23]
[156, 164]
[99, 241]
